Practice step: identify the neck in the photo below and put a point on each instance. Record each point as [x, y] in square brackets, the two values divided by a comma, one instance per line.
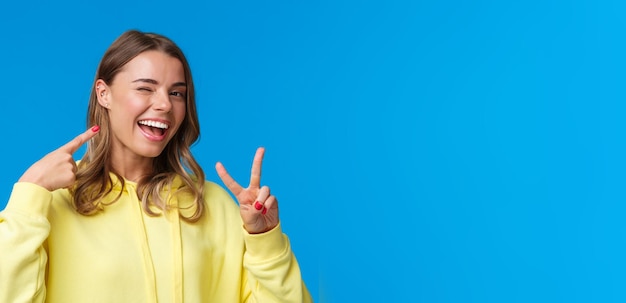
[132, 168]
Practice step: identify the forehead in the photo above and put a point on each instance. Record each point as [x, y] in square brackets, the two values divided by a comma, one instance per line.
[154, 65]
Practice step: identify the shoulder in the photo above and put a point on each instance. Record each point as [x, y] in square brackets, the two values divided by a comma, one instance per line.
[214, 191]
[217, 197]
[214, 188]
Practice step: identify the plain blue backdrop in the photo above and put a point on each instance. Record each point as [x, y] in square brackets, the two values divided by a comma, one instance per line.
[422, 151]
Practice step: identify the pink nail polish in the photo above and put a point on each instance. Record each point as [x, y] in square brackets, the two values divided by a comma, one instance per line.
[258, 205]
[95, 128]
[264, 211]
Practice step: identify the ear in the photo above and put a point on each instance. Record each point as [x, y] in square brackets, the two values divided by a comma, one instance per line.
[102, 93]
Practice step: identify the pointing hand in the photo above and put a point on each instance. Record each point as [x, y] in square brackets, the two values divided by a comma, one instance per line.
[58, 168]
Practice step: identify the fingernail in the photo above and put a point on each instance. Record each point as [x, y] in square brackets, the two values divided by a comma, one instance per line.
[95, 128]
[258, 205]
[264, 211]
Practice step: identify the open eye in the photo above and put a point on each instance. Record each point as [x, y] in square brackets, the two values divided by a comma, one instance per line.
[178, 94]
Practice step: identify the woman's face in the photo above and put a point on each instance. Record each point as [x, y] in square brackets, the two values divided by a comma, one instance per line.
[146, 103]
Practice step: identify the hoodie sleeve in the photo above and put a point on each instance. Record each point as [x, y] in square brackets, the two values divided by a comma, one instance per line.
[24, 227]
[273, 274]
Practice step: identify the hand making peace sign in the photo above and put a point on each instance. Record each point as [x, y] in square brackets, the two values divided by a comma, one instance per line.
[258, 208]
[58, 168]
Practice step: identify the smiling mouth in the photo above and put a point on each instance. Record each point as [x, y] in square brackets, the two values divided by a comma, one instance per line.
[155, 128]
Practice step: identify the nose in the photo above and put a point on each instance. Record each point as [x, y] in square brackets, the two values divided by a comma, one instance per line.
[162, 101]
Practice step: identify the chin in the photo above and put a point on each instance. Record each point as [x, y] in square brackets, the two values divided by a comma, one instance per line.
[152, 153]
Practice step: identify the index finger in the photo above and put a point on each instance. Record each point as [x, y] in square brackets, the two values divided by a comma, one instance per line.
[230, 183]
[255, 174]
[81, 139]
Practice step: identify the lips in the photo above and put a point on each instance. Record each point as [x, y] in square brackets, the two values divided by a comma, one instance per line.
[154, 130]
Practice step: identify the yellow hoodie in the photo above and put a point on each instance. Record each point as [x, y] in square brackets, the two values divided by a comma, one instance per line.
[50, 253]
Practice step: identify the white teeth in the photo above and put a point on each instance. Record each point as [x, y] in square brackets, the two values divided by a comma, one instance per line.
[154, 124]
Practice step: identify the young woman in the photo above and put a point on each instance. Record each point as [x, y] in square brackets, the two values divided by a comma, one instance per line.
[135, 220]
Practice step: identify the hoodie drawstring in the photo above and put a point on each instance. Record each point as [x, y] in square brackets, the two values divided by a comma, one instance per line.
[173, 217]
[145, 246]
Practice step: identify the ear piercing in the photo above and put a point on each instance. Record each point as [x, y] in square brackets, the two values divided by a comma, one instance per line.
[102, 95]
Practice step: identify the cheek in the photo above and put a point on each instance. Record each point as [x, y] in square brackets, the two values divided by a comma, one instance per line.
[126, 111]
[180, 110]
[135, 105]
[177, 115]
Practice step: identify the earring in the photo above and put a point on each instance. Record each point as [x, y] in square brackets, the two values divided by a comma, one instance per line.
[106, 104]
[102, 94]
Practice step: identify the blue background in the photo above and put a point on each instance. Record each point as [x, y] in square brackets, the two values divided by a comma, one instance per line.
[422, 151]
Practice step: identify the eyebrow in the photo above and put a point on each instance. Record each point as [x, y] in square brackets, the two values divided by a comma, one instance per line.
[155, 82]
